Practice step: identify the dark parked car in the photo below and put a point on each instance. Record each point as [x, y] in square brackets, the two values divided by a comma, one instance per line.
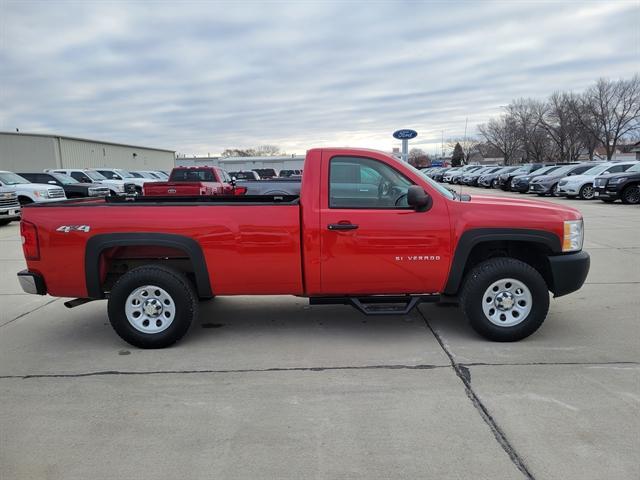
[520, 183]
[490, 180]
[504, 179]
[624, 186]
[547, 183]
[245, 175]
[266, 172]
[438, 176]
[72, 187]
[471, 178]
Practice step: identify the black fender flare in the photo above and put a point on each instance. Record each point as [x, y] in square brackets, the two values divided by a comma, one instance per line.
[471, 238]
[98, 243]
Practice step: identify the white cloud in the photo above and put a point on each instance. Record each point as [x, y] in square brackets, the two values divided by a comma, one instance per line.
[203, 76]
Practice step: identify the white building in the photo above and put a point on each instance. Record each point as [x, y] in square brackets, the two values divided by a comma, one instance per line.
[234, 164]
[35, 152]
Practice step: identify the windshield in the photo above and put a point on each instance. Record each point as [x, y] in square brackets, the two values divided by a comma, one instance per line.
[64, 179]
[93, 175]
[10, 178]
[445, 192]
[521, 170]
[635, 168]
[545, 170]
[563, 170]
[125, 174]
[598, 169]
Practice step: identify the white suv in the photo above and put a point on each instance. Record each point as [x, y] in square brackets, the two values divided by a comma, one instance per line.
[87, 175]
[31, 192]
[119, 174]
[581, 186]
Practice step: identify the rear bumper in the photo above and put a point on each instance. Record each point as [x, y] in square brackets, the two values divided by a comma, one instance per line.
[32, 283]
[568, 272]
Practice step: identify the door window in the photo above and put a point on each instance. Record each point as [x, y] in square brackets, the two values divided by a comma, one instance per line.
[356, 182]
[81, 177]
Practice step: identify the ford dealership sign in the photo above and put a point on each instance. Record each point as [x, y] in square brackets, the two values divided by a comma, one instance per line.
[405, 134]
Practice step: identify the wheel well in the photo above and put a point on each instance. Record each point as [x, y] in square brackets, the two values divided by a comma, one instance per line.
[116, 261]
[532, 253]
[109, 256]
[24, 199]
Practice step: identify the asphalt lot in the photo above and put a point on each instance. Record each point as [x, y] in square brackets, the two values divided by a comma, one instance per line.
[269, 387]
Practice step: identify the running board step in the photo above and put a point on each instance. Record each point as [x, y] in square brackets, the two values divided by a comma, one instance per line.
[378, 304]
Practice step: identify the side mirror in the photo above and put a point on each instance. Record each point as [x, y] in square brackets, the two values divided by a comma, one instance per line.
[117, 177]
[52, 182]
[419, 199]
[233, 181]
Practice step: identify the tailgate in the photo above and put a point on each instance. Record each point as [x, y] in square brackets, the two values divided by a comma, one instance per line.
[173, 188]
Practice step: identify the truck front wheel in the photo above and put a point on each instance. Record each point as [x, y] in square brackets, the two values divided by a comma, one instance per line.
[504, 299]
[152, 306]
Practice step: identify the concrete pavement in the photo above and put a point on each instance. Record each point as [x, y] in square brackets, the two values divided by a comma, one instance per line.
[272, 388]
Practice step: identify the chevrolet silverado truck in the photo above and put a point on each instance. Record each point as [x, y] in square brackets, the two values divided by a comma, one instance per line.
[189, 181]
[367, 230]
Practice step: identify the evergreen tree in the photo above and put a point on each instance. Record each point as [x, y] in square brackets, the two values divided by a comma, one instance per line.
[458, 155]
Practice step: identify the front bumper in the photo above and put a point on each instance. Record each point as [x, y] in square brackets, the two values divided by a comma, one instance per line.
[570, 190]
[10, 212]
[539, 188]
[606, 193]
[32, 282]
[568, 272]
[520, 186]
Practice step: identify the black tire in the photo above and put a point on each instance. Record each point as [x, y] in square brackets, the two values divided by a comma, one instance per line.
[175, 284]
[482, 276]
[631, 195]
[494, 183]
[5, 222]
[586, 192]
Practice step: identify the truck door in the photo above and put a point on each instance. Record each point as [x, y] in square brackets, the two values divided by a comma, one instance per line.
[372, 242]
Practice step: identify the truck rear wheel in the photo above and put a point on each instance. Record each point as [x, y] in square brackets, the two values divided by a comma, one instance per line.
[504, 299]
[152, 306]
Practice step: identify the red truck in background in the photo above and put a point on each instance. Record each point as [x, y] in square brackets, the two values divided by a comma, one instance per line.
[194, 181]
[366, 230]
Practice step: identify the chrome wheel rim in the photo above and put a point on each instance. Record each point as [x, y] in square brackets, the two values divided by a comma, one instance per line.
[587, 192]
[507, 302]
[150, 309]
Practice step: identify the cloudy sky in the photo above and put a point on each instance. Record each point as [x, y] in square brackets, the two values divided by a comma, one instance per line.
[199, 76]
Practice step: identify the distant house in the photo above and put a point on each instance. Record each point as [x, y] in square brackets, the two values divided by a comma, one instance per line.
[636, 149]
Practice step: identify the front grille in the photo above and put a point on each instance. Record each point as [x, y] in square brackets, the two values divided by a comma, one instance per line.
[9, 200]
[56, 193]
[98, 192]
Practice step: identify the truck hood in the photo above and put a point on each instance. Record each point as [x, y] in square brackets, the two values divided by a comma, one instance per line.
[518, 205]
[34, 187]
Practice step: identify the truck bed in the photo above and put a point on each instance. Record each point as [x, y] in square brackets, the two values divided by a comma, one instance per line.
[248, 244]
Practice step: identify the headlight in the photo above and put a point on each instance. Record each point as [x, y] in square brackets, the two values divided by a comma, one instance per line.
[120, 188]
[573, 235]
[41, 193]
[617, 180]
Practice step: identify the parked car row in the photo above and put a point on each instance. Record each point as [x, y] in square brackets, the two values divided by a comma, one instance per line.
[53, 185]
[607, 181]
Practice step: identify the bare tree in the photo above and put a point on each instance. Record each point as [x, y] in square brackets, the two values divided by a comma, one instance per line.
[610, 111]
[502, 134]
[260, 151]
[418, 158]
[469, 146]
[559, 118]
[533, 138]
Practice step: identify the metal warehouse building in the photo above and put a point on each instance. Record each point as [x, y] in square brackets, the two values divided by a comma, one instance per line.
[35, 152]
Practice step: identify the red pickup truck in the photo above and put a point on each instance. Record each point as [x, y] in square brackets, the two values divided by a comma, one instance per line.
[192, 181]
[367, 230]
